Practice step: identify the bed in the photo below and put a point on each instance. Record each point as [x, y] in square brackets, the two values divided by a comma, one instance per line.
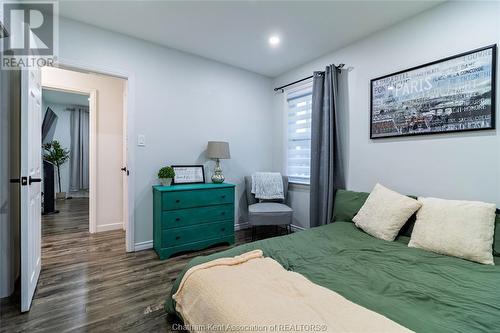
[420, 290]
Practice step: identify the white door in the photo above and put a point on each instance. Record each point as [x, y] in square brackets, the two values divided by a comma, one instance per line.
[31, 160]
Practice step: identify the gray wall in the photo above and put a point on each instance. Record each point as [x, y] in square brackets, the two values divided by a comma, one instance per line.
[61, 133]
[455, 166]
[181, 102]
[5, 247]
[9, 222]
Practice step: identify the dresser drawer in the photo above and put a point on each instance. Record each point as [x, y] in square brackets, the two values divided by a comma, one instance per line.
[195, 233]
[198, 198]
[198, 215]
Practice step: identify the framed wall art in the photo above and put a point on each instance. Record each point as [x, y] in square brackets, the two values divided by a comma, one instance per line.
[449, 95]
[188, 174]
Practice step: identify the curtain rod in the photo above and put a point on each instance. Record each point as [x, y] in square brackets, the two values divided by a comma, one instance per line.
[304, 79]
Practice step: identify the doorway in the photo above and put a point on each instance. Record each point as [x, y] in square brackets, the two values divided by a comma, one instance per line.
[108, 176]
[109, 180]
[65, 162]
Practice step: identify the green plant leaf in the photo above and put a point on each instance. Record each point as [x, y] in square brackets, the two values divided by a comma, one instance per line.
[54, 153]
[166, 172]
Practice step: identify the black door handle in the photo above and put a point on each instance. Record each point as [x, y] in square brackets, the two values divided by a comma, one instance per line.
[22, 180]
[124, 169]
[34, 180]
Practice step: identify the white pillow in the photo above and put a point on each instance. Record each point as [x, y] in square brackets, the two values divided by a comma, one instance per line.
[385, 212]
[461, 229]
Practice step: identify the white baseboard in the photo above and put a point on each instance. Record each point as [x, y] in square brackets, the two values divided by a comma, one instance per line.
[297, 228]
[245, 225]
[149, 244]
[241, 226]
[143, 245]
[110, 226]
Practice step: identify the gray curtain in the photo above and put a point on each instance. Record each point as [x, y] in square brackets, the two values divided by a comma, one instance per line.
[327, 167]
[79, 159]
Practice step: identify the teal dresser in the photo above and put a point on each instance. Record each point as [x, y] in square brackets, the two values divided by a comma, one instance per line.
[192, 217]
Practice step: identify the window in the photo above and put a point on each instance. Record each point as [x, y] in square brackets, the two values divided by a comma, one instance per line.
[299, 134]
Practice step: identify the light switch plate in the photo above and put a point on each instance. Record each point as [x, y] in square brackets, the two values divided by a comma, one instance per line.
[141, 140]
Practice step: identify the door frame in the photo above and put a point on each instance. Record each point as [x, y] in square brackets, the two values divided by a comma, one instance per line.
[92, 147]
[129, 113]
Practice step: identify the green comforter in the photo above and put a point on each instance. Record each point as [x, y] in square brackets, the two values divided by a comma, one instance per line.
[424, 291]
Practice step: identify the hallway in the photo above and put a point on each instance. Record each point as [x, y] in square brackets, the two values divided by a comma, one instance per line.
[73, 218]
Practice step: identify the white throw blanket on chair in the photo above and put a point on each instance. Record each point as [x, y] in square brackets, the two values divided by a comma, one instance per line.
[267, 185]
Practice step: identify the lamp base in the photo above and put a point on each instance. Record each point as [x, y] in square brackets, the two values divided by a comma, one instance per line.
[218, 177]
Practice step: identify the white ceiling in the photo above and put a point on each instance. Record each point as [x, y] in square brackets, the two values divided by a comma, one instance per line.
[237, 32]
[65, 98]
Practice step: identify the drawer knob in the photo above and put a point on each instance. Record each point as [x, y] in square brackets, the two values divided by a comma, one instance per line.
[177, 201]
[223, 213]
[223, 196]
[177, 237]
[177, 218]
[223, 229]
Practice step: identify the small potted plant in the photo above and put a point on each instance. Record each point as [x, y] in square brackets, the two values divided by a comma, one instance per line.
[57, 155]
[166, 174]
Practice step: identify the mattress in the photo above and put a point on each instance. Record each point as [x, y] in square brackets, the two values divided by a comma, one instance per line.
[423, 291]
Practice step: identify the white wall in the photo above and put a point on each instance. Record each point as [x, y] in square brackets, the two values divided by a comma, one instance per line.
[181, 102]
[454, 166]
[109, 140]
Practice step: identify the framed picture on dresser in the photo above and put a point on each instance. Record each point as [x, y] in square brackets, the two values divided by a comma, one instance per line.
[453, 94]
[188, 174]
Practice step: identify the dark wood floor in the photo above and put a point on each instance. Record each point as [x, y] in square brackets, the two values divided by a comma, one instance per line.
[72, 221]
[88, 282]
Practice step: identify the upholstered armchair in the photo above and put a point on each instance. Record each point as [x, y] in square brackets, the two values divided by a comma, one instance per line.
[270, 212]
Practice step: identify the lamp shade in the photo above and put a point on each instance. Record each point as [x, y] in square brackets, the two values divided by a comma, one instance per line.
[218, 149]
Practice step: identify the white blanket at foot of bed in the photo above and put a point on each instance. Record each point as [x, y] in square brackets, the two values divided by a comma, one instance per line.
[250, 293]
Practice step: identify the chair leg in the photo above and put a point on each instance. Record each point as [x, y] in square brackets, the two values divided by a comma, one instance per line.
[288, 227]
[253, 233]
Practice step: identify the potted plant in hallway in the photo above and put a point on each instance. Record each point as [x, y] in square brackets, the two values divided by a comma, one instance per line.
[166, 174]
[57, 155]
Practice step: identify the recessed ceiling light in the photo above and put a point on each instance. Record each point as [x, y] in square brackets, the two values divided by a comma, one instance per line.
[274, 40]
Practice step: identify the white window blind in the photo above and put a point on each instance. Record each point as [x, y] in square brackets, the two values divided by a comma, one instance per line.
[299, 134]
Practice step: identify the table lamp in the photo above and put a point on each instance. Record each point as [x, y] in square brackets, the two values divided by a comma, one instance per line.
[218, 150]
